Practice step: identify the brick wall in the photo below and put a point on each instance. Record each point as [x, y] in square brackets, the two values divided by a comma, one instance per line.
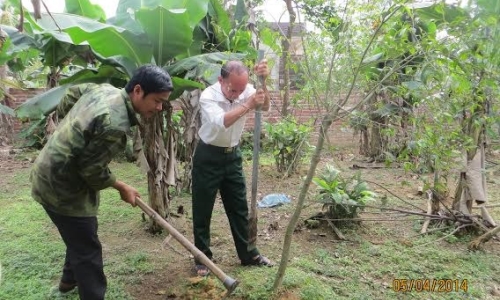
[20, 96]
[339, 134]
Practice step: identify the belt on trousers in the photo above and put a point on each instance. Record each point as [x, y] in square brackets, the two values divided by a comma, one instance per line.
[219, 149]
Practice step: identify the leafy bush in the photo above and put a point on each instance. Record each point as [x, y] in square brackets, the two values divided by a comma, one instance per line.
[33, 135]
[342, 198]
[288, 141]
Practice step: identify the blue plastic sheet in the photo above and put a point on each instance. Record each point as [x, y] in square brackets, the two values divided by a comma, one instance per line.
[273, 200]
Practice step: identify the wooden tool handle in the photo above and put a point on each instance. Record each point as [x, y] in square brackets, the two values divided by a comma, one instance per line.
[229, 283]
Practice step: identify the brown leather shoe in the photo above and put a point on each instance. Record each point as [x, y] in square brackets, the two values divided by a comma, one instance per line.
[66, 287]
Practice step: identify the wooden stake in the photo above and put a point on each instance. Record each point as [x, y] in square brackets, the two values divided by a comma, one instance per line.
[429, 212]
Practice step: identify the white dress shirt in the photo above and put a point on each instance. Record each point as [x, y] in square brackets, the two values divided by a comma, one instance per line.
[213, 107]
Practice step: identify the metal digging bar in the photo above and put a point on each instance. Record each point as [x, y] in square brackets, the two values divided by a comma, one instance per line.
[252, 220]
[229, 283]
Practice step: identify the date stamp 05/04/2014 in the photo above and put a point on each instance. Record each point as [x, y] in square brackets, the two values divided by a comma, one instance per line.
[430, 285]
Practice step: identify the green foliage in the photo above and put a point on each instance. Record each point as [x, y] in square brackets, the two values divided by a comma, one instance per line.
[288, 143]
[435, 148]
[33, 135]
[358, 120]
[322, 14]
[6, 110]
[131, 40]
[246, 141]
[86, 9]
[342, 198]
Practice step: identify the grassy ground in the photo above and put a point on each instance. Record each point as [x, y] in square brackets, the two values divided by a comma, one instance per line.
[375, 257]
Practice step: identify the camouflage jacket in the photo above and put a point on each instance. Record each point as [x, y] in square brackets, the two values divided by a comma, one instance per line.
[73, 166]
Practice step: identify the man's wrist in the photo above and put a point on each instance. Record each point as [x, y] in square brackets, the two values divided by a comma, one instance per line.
[118, 185]
[246, 109]
[245, 106]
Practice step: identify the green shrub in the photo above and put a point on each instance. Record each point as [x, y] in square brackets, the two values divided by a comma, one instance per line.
[342, 198]
[288, 141]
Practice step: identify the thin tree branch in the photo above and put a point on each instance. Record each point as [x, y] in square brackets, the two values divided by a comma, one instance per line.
[442, 238]
[404, 201]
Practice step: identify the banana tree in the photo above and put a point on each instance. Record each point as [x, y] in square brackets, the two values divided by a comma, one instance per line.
[172, 34]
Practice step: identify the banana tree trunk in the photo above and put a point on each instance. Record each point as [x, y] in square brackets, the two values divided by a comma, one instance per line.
[5, 120]
[160, 156]
[186, 145]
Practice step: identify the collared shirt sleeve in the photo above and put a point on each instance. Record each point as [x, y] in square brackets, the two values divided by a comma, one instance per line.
[211, 112]
[93, 162]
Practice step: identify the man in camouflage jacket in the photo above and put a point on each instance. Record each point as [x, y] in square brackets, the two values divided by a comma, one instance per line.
[73, 167]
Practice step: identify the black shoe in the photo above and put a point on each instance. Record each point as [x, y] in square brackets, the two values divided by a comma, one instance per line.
[66, 287]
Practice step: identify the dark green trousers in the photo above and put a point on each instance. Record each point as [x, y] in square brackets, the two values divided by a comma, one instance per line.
[215, 170]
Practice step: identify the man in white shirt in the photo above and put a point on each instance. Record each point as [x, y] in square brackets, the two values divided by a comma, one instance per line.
[217, 162]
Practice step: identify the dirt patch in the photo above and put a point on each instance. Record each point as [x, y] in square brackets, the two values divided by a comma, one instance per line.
[9, 160]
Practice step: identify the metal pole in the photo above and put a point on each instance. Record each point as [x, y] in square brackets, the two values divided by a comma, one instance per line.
[252, 237]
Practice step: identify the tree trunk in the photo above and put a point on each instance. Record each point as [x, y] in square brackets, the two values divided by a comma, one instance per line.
[364, 147]
[464, 195]
[188, 139]
[5, 120]
[375, 140]
[287, 59]
[161, 160]
[325, 125]
[377, 123]
[436, 194]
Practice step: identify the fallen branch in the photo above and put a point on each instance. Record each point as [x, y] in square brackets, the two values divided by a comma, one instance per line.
[487, 206]
[336, 230]
[372, 219]
[430, 231]
[478, 223]
[383, 187]
[410, 212]
[355, 167]
[476, 244]
[166, 243]
[442, 238]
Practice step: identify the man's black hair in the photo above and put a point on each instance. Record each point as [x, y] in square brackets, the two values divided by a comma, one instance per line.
[152, 79]
[233, 66]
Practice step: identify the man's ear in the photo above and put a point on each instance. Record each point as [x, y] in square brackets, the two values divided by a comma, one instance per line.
[138, 91]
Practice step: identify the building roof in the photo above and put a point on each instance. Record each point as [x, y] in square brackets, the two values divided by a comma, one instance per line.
[298, 28]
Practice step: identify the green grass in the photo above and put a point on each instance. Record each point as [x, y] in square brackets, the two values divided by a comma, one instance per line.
[367, 271]
[31, 255]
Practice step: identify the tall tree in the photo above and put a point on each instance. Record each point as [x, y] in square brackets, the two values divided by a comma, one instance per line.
[287, 57]
[322, 85]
